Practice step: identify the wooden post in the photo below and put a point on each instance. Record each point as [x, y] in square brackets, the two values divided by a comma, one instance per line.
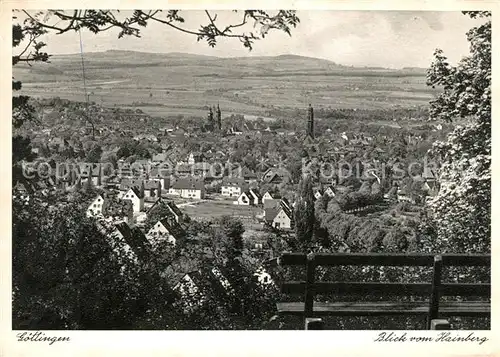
[440, 324]
[314, 323]
[309, 293]
[436, 286]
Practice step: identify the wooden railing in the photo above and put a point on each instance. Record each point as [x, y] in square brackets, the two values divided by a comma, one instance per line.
[434, 289]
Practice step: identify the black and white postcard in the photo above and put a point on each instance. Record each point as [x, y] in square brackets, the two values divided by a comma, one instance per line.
[182, 172]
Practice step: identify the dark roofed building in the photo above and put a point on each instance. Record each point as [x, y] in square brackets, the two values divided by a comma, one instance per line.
[135, 239]
[137, 192]
[167, 229]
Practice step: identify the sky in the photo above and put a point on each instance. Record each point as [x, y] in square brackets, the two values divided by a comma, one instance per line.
[392, 39]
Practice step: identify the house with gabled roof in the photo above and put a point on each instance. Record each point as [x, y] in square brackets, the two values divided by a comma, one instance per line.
[233, 186]
[244, 199]
[135, 195]
[171, 206]
[329, 191]
[275, 175]
[152, 188]
[167, 229]
[161, 174]
[190, 187]
[280, 217]
[245, 173]
[135, 239]
[96, 207]
[268, 196]
[195, 286]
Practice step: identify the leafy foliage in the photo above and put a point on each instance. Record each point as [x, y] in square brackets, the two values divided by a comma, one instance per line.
[304, 213]
[69, 274]
[462, 207]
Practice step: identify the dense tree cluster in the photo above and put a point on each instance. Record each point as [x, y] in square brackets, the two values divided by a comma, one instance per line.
[462, 209]
[355, 200]
[304, 213]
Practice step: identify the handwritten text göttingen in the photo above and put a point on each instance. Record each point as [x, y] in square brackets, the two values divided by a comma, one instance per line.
[441, 337]
[39, 336]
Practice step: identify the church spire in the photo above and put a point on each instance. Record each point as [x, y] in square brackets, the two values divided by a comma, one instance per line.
[219, 117]
[210, 115]
[310, 121]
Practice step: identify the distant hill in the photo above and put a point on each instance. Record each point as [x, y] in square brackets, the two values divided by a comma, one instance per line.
[184, 83]
[190, 65]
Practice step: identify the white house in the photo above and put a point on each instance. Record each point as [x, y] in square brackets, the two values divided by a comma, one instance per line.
[193, 286]
[104, 207]
[245, 199]
[95, 208]
[317, 194]
[330, 191]
[134, 195]
[280, 218]
[188, 288]
[236, 131]
[191, 160]
[267, 196]
[283, 219]
[188, 188]
[232, 187]
[166, 230]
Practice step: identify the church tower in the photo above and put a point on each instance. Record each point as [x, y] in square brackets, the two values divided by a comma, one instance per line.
[210, 117]
[310, 121]
[219, 118]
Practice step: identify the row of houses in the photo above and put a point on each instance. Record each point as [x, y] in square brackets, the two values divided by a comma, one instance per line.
[168, 228]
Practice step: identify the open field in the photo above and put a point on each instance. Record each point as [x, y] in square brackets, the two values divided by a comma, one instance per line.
[218, 208]
[171, 84]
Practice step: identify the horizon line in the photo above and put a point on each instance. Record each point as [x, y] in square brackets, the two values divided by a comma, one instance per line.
[238, 57]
